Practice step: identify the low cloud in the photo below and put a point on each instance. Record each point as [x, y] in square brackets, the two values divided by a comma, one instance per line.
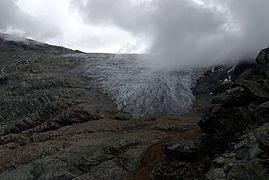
[186, 33]
[14, 20]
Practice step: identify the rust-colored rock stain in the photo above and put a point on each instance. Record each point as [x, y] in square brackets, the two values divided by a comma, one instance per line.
[155, 153]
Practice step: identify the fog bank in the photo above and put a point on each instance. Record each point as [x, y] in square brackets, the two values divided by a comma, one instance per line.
[186, 33]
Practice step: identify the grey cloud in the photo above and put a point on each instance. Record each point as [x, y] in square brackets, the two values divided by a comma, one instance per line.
[252, 17]
[13, 19]
[121, 13]
[184, 33]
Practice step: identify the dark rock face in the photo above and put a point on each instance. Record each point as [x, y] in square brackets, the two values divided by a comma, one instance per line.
[184, 149]
[235, 140]
[263, 59]
[184, 160]
[247, 159]
[239, 123]
[257, 89]
[209, 85]
[122, 116]
[223, 123]
[178, 170]
[242, 69]
[237, 109]
[232, 97]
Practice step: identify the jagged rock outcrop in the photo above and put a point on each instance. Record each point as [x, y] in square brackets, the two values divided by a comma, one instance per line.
[239, 108]
[235, 126]
[247, 159]
[246, 155]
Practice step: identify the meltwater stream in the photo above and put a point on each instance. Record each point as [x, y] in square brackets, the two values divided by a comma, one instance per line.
[136, 89]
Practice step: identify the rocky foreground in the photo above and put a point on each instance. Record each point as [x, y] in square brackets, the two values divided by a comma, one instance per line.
[54, 125]
[235, 139]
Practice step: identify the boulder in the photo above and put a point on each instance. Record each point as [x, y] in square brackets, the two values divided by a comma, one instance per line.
[263, 57]
[121, 116]
[263, 62]
[252, 170]
[234, 96]
[242, 70]
[223, 123]
[244, 76]
[264, 105]
[183, 149]
[247, 159]
[218, 174]
[256, 89]
[262, 134]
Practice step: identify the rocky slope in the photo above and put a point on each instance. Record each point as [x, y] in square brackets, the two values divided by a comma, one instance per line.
[235, 139]
[54, 125]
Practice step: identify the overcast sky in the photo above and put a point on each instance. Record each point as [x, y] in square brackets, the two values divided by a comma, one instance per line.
[175, 33]
[58, 22]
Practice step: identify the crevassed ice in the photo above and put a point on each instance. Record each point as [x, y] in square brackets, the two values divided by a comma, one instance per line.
[137, 90]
